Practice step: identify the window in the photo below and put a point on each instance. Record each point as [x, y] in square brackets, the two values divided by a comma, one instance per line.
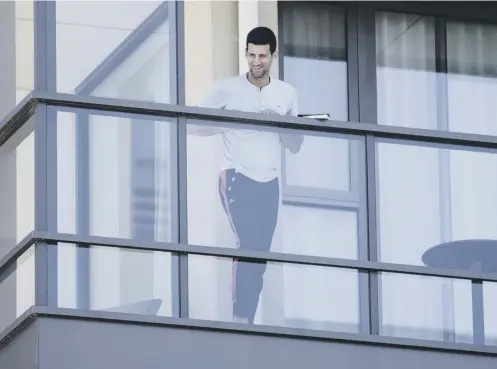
[314, 54]
[471, 66]
[436, 73]
[326, 173]
[131, 59]
[17, 45]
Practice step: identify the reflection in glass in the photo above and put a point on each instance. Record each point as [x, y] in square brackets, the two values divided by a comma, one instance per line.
[115, 176]
[17, 45]
[17, 187]
[229, 204]
[17, 288]
[117, 280]
[292, 295]
[428, 308]
[130, 59]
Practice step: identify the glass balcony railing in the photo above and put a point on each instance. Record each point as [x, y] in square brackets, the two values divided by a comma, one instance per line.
[17, 288]
[117, 280]
[116, 175]
[249, 185]
[438, 210]
[290, 295]
[17, 187]
[287, 228]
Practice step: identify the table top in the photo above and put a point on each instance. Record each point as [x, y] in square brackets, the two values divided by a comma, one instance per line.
[469, 255]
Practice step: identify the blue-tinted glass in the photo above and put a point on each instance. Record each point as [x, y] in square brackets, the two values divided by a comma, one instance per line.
[131, 59]
[243, 192]
[295, 296]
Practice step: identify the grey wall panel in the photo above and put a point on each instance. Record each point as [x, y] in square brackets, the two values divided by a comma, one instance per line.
[8, 60]
[22, 351]
[66, 343]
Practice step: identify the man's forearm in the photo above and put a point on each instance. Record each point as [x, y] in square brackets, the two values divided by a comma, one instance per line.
[292, 141]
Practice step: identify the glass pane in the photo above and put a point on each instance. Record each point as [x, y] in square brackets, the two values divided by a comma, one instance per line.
[17, 187]
[131, 59]
[415, 89]
[17, 45]
[115, 175]
[290, 295]
[437, 205]
[331, 172]
[406, 70]
[438, 309]
[314, 41]
[472, 77]
[17, 288]
[117, 280]
[489, 309]
[238, 197]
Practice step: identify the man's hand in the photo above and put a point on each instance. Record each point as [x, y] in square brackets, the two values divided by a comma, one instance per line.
[292, 141]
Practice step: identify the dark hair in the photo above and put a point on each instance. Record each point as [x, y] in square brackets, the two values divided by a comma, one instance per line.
[262, 36]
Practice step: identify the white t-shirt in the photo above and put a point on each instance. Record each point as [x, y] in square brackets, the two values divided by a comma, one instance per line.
[256, 154]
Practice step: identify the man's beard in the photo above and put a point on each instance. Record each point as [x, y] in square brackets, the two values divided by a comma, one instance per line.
[258, 74]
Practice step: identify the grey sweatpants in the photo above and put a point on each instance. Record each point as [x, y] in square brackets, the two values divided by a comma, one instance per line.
[252, 208]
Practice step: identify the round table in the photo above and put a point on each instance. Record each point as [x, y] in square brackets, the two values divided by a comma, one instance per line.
[468, 255]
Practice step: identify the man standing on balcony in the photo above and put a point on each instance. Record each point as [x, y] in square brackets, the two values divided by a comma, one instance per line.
[249, 177]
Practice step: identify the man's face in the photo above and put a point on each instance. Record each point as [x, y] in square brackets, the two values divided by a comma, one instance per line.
[259, 60]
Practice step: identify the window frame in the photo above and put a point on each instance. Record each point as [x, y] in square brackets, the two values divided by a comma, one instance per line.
[442, 14]
[355, 199]
[329, 198]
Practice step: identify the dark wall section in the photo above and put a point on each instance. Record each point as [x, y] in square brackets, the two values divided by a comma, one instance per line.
[22, 351]
[88, 345]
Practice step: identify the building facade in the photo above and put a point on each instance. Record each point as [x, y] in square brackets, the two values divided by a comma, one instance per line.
[115, 251]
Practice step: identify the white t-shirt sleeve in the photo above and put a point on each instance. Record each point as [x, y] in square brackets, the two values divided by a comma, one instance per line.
[215, 99]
